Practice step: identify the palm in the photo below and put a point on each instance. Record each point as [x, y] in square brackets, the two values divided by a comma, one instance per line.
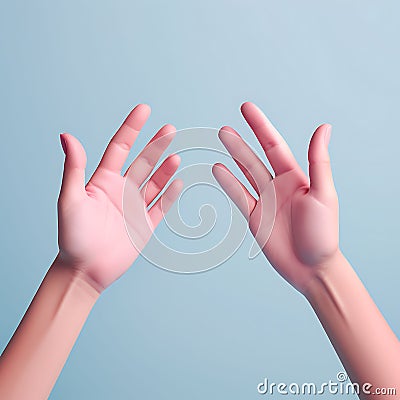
[93, 231]
[301, 236]
[93, 236]
[303, 232]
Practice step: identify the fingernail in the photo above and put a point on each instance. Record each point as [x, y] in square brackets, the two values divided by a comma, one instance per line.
[328, 134]
[63, 143]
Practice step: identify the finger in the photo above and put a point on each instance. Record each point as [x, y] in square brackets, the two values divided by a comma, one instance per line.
[164, 203]
[275, 147]
[249, 163]
[149, 156]
[321, 180]
[73, 182]
[153, 187]
[234, 189]
[118, 149]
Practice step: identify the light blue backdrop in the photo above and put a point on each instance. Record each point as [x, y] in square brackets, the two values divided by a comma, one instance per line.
[80, 66]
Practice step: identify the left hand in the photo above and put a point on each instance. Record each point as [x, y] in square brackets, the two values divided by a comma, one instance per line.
[305, 232]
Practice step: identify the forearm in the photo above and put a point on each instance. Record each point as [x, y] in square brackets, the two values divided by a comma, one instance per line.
[37, 352]
[367, 347]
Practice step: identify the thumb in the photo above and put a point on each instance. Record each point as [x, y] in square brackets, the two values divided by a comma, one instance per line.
[321, 180]
[73, 182]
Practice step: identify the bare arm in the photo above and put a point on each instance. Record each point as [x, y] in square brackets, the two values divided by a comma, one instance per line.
[37, 352]
[302, 243]
[94, 250]
[366, 345]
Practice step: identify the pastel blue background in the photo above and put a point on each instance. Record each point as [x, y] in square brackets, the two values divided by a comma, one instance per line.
[80, 66]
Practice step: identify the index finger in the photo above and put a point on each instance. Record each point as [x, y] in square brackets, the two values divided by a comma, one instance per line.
[275, 147]
[118, 149]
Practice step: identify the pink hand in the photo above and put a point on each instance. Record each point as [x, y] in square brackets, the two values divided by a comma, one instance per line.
[304, 237]
[92, 233]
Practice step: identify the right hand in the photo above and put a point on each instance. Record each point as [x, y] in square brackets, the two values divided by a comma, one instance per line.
[93, 238]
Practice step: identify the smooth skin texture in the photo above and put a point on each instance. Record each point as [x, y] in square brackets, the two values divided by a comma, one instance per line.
[94, 251]
[92, 233]
[303, 246]
[296, 242]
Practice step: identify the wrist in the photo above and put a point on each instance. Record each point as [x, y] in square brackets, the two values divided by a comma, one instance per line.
[326, 277]
[76, 276]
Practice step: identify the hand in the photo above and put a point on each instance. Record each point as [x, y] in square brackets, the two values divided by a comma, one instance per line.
[93, 238]
[304, 236]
